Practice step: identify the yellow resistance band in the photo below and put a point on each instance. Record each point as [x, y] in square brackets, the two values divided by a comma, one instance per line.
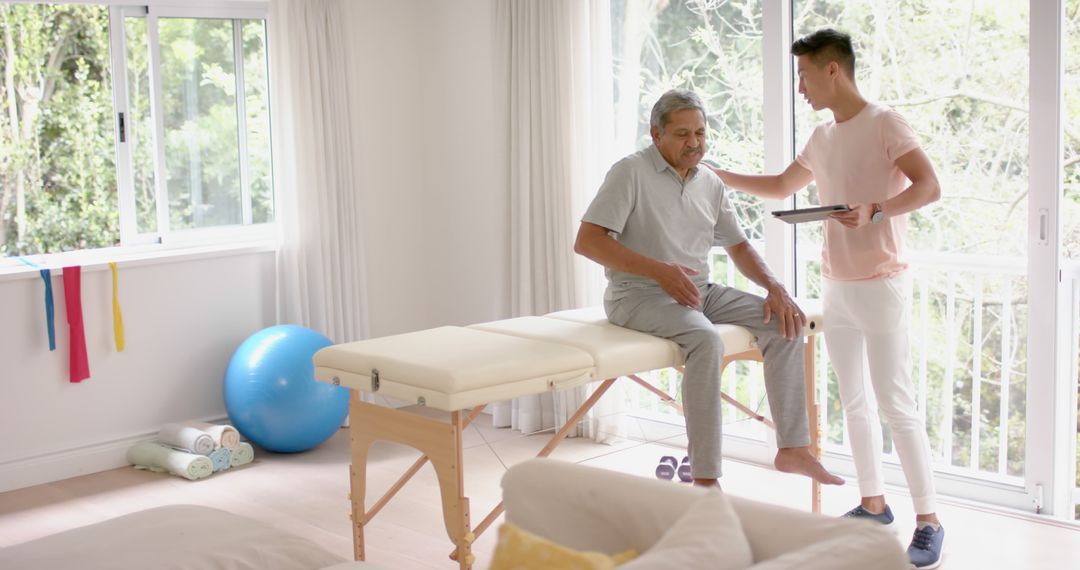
[118, 319]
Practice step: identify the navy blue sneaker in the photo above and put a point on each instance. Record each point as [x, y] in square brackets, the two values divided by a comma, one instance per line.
[925, 549]
[886, 518]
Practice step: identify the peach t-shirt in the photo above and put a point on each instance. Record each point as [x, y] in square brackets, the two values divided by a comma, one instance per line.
[854, 162]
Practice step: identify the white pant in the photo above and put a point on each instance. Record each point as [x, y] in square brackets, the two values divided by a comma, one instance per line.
[869, 318]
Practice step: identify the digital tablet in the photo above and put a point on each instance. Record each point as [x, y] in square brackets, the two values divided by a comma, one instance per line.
[809, 214]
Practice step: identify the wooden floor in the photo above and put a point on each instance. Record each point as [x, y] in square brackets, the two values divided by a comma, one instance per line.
[306, 494]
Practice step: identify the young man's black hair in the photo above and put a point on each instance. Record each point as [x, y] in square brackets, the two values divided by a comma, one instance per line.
[827, 45]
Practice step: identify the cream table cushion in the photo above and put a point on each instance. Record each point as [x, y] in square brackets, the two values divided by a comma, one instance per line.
[616, 351]
[736, 339]
[453, 368]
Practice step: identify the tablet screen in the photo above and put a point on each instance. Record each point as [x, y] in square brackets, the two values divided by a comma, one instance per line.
[809, 214]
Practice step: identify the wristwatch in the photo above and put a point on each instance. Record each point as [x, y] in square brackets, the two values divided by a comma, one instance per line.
[876, 213]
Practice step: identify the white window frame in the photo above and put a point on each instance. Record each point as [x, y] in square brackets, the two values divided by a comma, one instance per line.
[1051, 388]
[779, 119]
[165, 235]
[164, 238]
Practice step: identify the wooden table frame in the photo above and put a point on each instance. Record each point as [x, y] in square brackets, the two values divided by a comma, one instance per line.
[442, 443]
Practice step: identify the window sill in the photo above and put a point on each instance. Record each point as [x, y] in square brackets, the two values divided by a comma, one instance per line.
[98, 259]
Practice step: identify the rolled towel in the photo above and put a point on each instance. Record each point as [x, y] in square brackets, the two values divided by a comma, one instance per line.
[186, 438]
[157, 457]
[224, 435]
[242, 455]
[221, 457]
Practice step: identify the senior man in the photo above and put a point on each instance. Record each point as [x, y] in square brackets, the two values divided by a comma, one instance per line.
[652, 225]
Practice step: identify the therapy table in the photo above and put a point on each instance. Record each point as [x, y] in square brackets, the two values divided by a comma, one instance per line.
[461, 369]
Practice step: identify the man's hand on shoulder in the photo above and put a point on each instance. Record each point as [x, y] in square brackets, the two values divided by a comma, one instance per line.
[725, 176]
[789, 317]
[675, 279]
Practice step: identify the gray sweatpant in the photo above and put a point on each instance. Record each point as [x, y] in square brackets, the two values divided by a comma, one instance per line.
[653, 311]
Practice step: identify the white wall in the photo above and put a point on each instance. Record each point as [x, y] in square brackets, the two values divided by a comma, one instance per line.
[432, 178]
[182, 321]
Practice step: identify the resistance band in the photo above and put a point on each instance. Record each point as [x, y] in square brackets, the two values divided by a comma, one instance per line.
[46, 276]
[80, 365]
[50, 313]
[117, 318]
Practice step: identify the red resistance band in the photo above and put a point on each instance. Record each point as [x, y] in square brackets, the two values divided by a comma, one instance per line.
[80, 365]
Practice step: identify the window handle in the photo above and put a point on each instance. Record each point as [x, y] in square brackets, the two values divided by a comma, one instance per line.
[123, 129]
[1044, 226]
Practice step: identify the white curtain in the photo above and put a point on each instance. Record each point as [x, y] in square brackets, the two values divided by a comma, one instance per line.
[320, 262]
[557, 73]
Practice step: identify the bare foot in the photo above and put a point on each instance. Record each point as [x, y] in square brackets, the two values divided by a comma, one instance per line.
[799, 460]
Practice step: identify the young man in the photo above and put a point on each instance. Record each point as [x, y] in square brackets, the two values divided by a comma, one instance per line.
[861, 158]
[652, 224]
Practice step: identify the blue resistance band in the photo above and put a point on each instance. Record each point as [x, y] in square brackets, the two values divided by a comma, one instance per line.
[50, 312]
[46, 275]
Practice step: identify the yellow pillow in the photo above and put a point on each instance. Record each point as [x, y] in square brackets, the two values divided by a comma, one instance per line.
[521, 550]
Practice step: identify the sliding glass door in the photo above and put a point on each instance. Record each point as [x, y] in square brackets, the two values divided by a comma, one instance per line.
[958, 71]
[984, 84]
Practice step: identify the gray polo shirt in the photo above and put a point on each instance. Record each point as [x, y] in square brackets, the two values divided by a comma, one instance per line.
[650, 210]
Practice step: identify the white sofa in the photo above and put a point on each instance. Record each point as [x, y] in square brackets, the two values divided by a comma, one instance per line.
[593, 509]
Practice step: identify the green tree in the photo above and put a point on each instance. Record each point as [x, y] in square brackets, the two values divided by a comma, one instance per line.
[57, 171]
[200, 114]
[708, 46]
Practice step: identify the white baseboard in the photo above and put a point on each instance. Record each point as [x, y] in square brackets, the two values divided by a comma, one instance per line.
[73, 462]
[65, 464]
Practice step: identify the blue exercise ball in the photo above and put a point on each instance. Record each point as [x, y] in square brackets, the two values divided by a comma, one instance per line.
[271, 393]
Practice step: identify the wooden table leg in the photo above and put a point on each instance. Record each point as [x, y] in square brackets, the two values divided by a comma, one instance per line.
[439, 441]
[357, 476]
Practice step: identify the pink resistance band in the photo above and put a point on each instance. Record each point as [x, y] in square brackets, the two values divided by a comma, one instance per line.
[80, 366]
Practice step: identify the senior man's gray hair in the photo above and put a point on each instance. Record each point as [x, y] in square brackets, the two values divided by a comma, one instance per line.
[672, 101]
